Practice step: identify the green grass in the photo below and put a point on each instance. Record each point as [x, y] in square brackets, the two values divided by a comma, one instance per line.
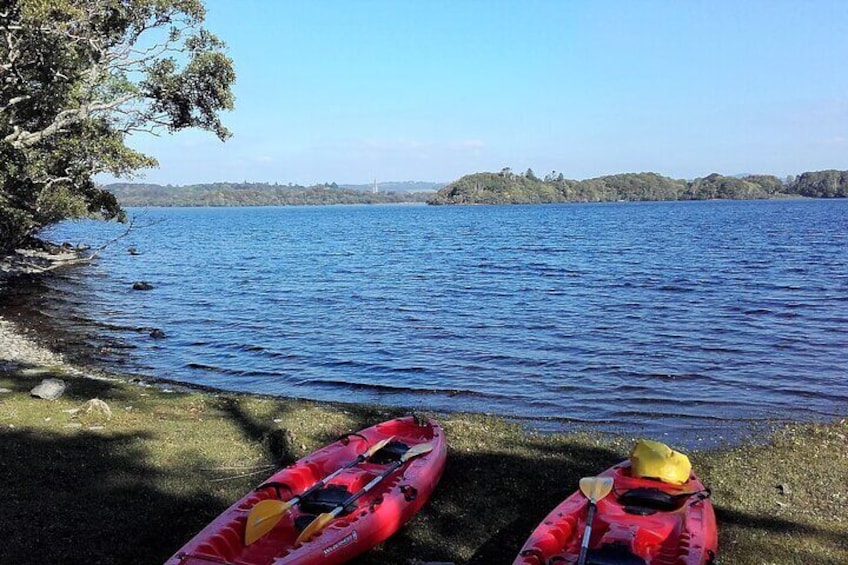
[132, 489]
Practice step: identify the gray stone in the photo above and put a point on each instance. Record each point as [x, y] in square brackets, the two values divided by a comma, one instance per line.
[49, 389]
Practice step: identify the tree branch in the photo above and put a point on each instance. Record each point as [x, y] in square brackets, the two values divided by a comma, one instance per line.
[20, 139]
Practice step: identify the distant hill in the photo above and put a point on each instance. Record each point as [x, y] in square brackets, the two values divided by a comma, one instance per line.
[507, 187]
[262, 194]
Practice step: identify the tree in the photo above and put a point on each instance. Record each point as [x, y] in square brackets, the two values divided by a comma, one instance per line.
[76, 78]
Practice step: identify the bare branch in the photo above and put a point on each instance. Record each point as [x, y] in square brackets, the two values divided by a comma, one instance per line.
[13, 101]
[20, 139]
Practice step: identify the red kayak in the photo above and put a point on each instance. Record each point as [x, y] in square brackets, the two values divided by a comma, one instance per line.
[641, 522]
[332, 505]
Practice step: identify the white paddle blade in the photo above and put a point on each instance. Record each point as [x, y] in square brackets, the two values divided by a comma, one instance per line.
[417, 450]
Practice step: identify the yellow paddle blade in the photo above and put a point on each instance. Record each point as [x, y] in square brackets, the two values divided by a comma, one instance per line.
[595, 488]
[315, 526]
[262, 518]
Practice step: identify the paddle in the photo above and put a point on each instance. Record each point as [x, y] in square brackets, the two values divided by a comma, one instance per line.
[322, 520]
[267, 513]
[593, 488]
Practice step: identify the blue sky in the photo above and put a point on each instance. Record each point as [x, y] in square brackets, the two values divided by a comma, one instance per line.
[350, 91]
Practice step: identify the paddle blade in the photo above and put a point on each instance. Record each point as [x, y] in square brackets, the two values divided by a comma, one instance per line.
[376, 447]
[416, 450]
[595, 488]
[262, 518]
[315, 526]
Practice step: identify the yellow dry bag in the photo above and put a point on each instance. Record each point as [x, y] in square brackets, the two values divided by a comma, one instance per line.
[655, 460]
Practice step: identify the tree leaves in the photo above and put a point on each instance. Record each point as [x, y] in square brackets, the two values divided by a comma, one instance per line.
[78, 76]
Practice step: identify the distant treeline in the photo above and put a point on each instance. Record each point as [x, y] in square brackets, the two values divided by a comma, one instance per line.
[507, 187]
[504, 187]
[263, 194]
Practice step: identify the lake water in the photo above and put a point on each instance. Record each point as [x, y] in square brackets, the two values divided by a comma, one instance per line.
[677, 319]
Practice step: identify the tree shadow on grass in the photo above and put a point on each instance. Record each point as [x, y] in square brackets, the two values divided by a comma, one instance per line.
[276, 442]
[90, 498]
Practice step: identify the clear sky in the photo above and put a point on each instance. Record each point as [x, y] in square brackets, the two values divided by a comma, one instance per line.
[350, 91]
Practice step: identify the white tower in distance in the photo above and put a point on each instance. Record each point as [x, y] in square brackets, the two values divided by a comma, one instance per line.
[375, 190]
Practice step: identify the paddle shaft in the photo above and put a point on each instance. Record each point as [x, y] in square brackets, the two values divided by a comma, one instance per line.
[587, 533]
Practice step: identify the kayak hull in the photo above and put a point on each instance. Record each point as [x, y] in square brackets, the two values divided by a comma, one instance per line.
[641, 522]
[376, 516]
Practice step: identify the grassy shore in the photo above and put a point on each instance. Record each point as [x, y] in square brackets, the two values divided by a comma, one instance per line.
[132, 488]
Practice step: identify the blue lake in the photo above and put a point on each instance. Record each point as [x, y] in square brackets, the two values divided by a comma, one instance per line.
[678, 319]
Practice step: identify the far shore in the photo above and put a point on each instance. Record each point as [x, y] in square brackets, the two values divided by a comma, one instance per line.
[133, 486]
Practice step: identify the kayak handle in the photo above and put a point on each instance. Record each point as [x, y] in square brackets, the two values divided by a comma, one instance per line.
[410, 493]
[345, 439]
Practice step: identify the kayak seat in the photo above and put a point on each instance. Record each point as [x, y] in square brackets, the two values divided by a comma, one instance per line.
[326, 499]
[646, 501]
[300, 522]
[613, 554]
[391, 453]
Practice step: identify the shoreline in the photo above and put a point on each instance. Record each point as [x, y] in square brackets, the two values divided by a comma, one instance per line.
[77, 358]
[168, 452]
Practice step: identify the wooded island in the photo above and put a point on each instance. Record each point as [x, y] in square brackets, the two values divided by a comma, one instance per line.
[507, 187]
